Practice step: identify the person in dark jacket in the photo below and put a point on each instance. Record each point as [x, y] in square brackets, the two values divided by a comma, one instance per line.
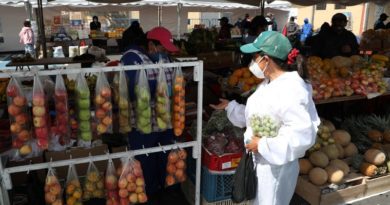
[224, 32]
[132, 35]
[95, 24]
[380, 23]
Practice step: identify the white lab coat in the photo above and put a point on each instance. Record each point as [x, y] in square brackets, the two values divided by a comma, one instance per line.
[287, 99]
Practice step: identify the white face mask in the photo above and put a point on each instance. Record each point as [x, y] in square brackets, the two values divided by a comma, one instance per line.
[256, 70]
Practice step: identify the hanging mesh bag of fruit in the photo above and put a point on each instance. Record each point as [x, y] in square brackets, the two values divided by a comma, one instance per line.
[178, 103]
[162, 105]
[176, 167]
[103, 105]
[143, 109]
[83, 111]
[264, 125]
[53, 190]
[62, 112]
[73, 191]
[93, 184]
[124, 104]
[40, 114]
[111, 184]
[131, 183]
[20, 122]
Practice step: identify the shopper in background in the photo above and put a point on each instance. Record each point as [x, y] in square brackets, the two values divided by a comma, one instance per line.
[155, 47]
[271, 18]
[286, 96]
[26, 36]
[336, 40]
[307, 30]
[95, 24]
[245, 25]
[132, 35]
[224, 32]
[380, 23]
[293, 32]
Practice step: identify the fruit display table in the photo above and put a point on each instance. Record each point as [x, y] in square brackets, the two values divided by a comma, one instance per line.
[46, 61]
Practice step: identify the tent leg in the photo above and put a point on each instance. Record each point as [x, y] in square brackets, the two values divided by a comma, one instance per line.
[179, 6]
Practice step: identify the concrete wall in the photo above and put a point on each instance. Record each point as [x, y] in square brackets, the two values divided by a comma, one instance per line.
[12, 21]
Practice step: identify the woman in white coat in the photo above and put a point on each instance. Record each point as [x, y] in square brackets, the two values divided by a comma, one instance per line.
[286, 96]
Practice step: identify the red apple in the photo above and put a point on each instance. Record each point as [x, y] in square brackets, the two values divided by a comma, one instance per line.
[55, 189]
[130, 177]
[61, 107]
[14, 110]
[39, 121]
[21, 118]
[123, 193]
[17, 143]
[20, 101]
[107, 121]
[39, 111]
[142, 198]
[24, 135]
[100, 113]
[122, 184]
[140, 182]
[101, 128]
[111, 182]
[133, 198]
[124, 201]
[131, 187]
[137, 172]
[12, 91]
[38, 100]
[42, 143]
[61, 95]
[107, 106]
[15, 127]
[105, 92]
[41, 133]
[50, 198]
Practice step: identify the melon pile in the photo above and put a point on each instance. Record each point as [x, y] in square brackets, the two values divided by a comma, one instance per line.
[325, 162]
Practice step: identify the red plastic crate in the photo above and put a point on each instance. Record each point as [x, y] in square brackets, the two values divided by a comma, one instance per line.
[220, 163]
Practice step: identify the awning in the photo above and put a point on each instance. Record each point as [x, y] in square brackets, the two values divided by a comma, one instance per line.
[313, 2]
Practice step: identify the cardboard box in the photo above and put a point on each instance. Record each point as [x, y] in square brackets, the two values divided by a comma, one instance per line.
[78, 153]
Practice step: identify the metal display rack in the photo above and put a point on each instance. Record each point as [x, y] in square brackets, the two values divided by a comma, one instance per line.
[6, 183]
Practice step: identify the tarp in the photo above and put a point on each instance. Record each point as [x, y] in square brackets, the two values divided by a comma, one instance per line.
[313, 2]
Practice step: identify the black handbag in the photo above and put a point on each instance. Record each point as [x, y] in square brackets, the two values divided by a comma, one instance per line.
[244, 180]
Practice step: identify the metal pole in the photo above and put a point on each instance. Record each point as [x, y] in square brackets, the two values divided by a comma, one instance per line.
[366, 13]
[27, 6]
[179, 6]
[198, 76]
[312, 15]
[42, 30]
[262, 5]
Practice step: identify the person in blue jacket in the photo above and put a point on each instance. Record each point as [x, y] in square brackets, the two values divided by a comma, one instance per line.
[149, 49]
[307, 30]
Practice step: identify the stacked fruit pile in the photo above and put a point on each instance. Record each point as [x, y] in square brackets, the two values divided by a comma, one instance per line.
[62, 111]
[244, 79]
[83, 105]
[342, 76]
[40, 114]
[19, 120]
[52, 189]
[123, 101]
[73, 188]
[325, 162]
[94, 185]
[179, 103]
[162, 103]
[132, 184]
[103, 105]
[111, 184]
[176, 167]
[143, 110]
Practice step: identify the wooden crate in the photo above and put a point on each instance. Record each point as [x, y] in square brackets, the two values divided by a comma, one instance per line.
[355, 188]
[378, 185]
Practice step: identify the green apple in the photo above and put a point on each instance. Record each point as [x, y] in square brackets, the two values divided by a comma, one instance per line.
[85, 126]
[147, 129]
[161, 109]
[84, 103]
[84, 114]
[83, 93]
[146, 114]
[86, 136]
[141, 105]
[161, 124]
[142, 122]
[144, 95]
[123, 104]
[161, 100]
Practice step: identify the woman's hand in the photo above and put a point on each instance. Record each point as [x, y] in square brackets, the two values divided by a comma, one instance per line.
[221, 106]
[253, 144]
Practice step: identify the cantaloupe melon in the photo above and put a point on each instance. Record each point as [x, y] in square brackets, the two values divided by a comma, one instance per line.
[341, 165]
[331, 151]
[335, 174]
[341, 151]
[368, 169]
[305, 166]
[318, 176]
[350, 150]
[341, 137]
[319, 159]
[375, 157]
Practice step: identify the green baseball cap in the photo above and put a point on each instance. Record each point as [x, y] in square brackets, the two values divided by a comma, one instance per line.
[271, 43]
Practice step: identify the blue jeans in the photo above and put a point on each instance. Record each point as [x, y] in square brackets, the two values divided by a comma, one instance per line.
[29, 48]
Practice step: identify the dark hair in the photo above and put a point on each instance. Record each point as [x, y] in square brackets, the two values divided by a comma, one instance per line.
[155, 42]
[95, 17]
[292, 18]
[299, 65]
[27, 23]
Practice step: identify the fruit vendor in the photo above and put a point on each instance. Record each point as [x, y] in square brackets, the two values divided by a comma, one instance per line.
[336, 41]
[285, 98]
[157, 46]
